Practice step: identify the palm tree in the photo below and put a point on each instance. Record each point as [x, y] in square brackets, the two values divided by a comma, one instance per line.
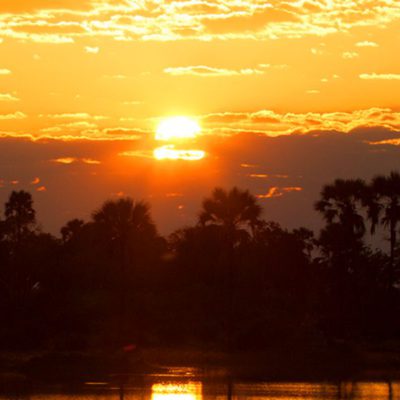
[340, 203]
[234, 210]
[124, 217]
[340, 240]
[127, 228]
[384, 207]
[237, 213]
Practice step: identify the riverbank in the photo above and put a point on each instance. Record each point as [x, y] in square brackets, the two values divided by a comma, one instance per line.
[339, 361]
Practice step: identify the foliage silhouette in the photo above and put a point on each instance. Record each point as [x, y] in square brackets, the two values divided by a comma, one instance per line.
[231, 279]
[384, 208]
[20, 217]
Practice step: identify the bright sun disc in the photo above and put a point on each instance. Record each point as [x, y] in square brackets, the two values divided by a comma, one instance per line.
[177, 128]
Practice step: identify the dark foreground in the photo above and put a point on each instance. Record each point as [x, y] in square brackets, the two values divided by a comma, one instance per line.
[74, 370]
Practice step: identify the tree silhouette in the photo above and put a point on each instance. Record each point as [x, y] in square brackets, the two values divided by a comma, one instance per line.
[384, 208]
[237, 214]
[20, 216]
[71, 229]
[236, 211]
[340, 203]
[126, 228]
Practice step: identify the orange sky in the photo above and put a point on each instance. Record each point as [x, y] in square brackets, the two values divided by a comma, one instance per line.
[83, 85]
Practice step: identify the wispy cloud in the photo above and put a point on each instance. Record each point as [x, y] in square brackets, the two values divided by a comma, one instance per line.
[8, 97]
[161, 20]
[277, 191]
[367, 43]
[392, 142]
[375, 76]
[92, 50]
[206, 71]
[80, 115]
[271, 123]
[16, 115]
[72, 160]
[349, 55]
[5, 71]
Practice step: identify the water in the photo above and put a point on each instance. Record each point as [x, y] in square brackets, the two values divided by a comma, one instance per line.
[153, 388]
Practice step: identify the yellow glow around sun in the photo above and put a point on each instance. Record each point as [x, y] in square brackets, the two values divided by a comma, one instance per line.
[177, 128]
[169, 152]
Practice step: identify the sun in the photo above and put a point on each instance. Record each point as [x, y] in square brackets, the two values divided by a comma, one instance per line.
[176, 128]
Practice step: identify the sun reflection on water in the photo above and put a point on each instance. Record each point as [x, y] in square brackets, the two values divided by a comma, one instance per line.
[177, 391]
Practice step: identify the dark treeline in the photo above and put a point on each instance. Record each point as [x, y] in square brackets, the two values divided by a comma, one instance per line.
[233, 280]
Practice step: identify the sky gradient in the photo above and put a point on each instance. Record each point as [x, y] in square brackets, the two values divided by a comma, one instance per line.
[288, 94]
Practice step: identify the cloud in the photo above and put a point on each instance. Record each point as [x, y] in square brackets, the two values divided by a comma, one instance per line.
[261, 176]
[137, 153]
[92, 50]
[65, 160]
[276, 191]
[271, 123]
[66, 21]
[8, 97]
[245, 165]
[252, 21]
[80, 115]
[206, 71]
[375, 76]
[16, 115]
[349, 55]
[72, 160]
[35, 181]
[90, 161]
[367, 43]
[5, 71]
[266, 176]
[51, 129]
[85, 126]
[391, 142]
[127, 132]
[80, 125]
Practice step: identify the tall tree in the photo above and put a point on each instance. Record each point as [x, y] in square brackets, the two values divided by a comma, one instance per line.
[341, 202]
[236, 211]
[237, 214]
[126, 228]
[341, 205]
[71, 229]
[20, 216]
[384, 208]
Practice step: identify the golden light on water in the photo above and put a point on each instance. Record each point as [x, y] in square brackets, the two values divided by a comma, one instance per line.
[177, 128]
[177, 391]
[168, 152]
